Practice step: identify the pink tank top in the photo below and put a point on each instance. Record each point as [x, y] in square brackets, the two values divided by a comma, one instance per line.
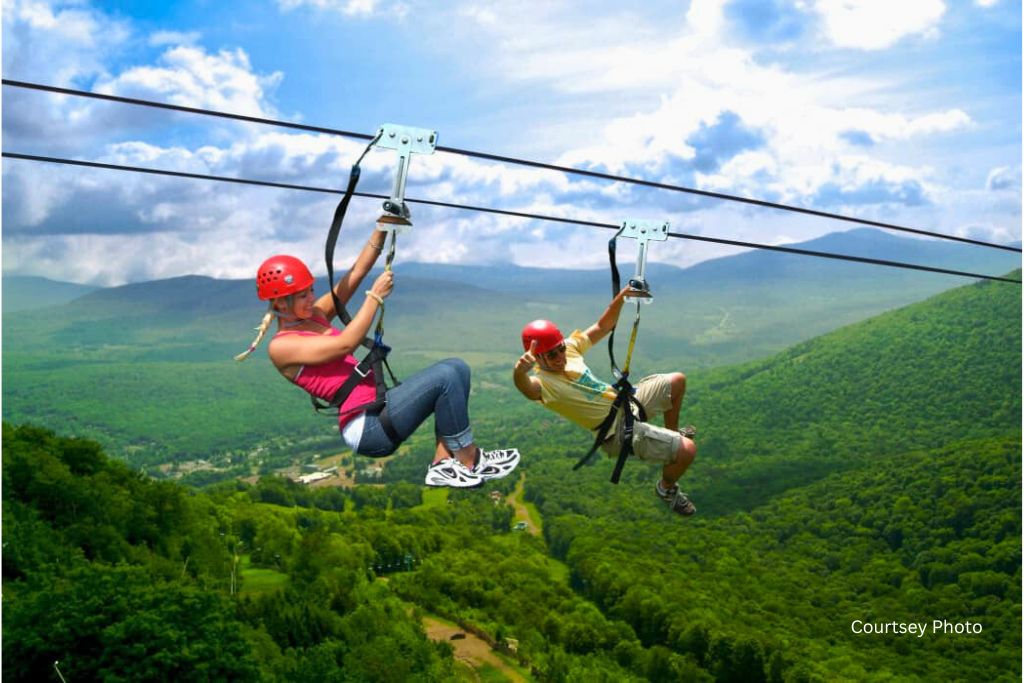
[324, 380]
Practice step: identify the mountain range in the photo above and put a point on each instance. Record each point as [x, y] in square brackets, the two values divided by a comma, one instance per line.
[138, 366]
[721, 311]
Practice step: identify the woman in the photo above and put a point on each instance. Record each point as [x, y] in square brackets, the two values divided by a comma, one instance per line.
[317, 357]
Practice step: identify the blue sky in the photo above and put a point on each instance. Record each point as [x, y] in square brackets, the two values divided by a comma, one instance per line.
[907, 112]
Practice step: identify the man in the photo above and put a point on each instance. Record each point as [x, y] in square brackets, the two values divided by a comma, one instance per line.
[563, 383]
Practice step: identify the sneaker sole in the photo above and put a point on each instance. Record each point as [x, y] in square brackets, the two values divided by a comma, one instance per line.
[454, 485]
[496, 471]
[450, 477]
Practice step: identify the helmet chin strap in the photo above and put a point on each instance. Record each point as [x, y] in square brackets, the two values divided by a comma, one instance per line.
[286, 319]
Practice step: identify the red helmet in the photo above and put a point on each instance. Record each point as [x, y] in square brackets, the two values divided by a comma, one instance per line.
[280, 276]
[544, 333]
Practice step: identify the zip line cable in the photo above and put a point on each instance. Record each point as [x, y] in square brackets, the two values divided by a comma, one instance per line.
[501, 212]
[509, 160]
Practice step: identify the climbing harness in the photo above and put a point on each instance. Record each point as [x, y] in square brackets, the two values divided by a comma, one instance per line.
[643, 231]
[396, 218]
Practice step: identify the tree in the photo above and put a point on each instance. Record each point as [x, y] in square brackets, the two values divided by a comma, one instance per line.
[117, 624]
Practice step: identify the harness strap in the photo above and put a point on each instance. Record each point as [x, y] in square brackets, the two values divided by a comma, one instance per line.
[628, 420]
[335, 230]
[624, 400]
[616, 286]
[376, 358]
[389, 428]
[624, 396]
[359, 372]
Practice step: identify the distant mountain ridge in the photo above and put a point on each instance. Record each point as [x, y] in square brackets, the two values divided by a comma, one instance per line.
[863, 243]
[24, 292]
[722, 311]
[744, 267]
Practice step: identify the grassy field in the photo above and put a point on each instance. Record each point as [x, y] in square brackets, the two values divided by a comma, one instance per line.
[256, 580]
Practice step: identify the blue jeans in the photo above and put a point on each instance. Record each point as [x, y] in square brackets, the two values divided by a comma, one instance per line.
[441, 389]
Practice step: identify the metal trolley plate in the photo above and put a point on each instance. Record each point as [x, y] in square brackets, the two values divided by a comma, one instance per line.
[406, 141]
[643, 231]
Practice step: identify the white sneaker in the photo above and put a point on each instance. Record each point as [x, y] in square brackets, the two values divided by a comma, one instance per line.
[451, 472]
[496, 464]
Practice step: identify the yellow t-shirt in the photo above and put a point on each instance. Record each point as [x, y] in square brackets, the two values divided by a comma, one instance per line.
[576, 393]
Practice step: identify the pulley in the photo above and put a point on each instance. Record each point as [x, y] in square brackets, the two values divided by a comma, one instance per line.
[643, 231]
[405, 141]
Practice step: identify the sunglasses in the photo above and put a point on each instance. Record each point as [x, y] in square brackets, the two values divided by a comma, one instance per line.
[555, 352]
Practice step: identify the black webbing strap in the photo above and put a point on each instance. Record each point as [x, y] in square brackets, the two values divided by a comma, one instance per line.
[627, 436]
[361, 370]
[624, 390]
[623, 399]
[376, 359]
[616, 285]
[387, 426]
[335, 230]
[370, 363]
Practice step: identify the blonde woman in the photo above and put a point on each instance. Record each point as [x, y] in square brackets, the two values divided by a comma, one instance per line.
[316, 356]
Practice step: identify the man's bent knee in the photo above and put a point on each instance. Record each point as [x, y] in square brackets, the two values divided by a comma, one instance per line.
[687, 452]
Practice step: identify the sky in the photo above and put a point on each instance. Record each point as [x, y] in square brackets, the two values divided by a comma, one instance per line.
[905, 112]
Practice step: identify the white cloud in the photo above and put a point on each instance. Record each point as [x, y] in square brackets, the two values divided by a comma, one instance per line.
[190, 76]
[481, 15]
[878, 24]
[986, 3]
[557, 43]
[245, 221]
[351, 8]
[72, 46]
[174, 38]
[60, 43]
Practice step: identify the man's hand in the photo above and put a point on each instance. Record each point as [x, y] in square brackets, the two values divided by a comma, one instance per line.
[527, 360]
[632, 292]
[528, 385]
[606, 323]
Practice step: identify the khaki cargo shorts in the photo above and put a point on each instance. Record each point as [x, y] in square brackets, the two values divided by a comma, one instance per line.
[650, 442]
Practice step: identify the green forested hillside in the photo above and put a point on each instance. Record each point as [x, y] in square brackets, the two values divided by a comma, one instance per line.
[923, 376]
[917, 537]
[871, 476]
[120, 578]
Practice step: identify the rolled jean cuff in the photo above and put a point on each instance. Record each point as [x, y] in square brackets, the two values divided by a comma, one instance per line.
[460, 440]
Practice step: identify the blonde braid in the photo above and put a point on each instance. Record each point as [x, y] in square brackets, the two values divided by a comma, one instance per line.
[268, 318]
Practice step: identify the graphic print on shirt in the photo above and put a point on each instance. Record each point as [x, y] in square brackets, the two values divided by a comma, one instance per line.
[591, 385]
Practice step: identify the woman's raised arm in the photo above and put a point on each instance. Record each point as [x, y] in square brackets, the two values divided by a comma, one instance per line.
[350, 282]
